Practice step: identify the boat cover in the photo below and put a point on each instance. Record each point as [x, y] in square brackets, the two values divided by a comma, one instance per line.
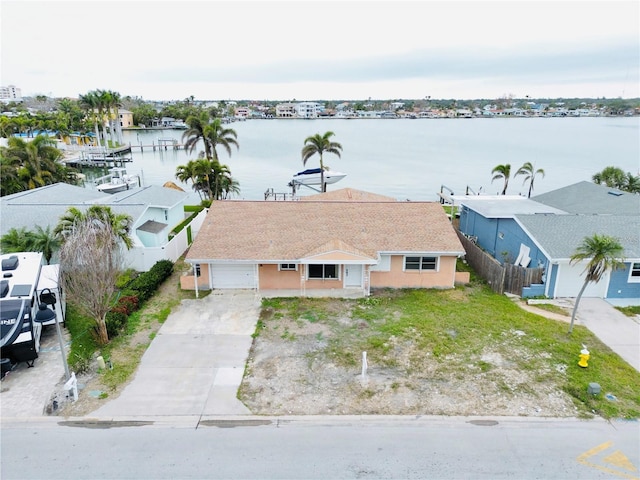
[310, 171]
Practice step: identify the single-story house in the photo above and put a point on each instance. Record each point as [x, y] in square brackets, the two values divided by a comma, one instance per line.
[335, 242]
[545, 231]
[155, 212]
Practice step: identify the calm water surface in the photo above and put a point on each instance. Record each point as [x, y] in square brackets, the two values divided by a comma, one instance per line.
[411, 159]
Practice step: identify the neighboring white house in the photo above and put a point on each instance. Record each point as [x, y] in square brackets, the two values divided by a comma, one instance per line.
[307, 109]
[155, 211]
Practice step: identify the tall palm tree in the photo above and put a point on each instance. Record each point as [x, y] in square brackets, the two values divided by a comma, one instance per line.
[604, 253]
[90, 103]
[116, 103]
[530, 172]
[120, 223]
[216, 134]
[195, 133]
[320, 144]
[504, 172]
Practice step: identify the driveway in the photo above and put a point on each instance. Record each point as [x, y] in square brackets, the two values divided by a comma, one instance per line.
[195, 364]
[615, 329]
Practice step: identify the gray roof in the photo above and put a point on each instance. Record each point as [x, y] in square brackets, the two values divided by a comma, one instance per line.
[590, 198]
[559, 235]
[152, 226]
[503, 206]
[153, 195]
[45, 205]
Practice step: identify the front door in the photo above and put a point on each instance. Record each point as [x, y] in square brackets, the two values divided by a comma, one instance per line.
[353, 276]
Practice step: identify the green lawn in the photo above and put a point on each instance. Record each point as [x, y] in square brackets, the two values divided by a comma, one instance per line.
[456, 327]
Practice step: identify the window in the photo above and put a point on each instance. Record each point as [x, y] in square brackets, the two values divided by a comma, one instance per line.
[197, 270]
[634, 274]
[288, 266]
[420, 263]
[324, 272]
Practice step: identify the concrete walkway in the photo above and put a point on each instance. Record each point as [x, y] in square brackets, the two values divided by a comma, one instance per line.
[619, 332]
[196, 362]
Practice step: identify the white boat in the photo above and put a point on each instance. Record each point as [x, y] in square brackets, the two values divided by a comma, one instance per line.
[312, 176]
[117, 181]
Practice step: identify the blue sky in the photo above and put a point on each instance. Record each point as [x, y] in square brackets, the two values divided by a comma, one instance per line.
[308, 50]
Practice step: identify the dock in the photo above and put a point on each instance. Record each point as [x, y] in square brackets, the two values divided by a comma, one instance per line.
[162, 145]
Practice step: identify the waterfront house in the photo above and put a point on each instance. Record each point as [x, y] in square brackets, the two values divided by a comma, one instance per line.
[545, 231]
[126, 118]
[285, 110]
[343, 242]
[155, 211]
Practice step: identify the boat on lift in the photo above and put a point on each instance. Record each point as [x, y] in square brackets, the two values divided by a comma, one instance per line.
[117, 181]
[312, 176]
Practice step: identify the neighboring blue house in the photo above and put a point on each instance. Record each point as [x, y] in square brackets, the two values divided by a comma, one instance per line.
[155, 212]
[545, 231]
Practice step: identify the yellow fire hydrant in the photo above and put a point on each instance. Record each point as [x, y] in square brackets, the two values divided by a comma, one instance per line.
[584, 356]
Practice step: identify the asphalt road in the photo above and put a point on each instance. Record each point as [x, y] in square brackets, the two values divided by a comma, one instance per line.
[321, 448]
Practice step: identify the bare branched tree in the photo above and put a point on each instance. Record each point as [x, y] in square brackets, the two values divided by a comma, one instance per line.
[91, 260]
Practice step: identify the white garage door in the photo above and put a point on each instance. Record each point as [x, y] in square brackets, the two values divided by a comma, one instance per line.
[571, 279]
[234, 276]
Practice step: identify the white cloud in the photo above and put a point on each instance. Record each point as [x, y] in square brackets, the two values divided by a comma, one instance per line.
[324, 49]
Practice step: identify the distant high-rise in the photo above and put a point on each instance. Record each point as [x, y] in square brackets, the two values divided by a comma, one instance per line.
[10, 93]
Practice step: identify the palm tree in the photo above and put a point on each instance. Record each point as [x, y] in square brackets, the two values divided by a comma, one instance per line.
[90, 103]
[27, 165]
[613, 177]
[319, 144]
[187, 172]
[195, 132]
[120, 223]
[43, 240]
[530, 172]
[15, 240]
[604, 253]
[215, 134]
[504, 172]
[116, 103]
[631, 183]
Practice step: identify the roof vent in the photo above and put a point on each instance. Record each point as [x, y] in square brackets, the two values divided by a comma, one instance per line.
[10, 263]
[615, 193]
[4, 288]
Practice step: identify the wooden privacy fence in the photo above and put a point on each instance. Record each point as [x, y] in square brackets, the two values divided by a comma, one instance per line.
[502, 278]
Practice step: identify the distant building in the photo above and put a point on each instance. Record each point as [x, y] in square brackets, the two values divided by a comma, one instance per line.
[285, 110]
[307, 110]
[10, 93]
[126, 118]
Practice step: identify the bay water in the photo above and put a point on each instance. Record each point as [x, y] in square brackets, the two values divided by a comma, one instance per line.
[409, 159]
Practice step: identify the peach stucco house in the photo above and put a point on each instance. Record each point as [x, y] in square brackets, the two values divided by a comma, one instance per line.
[333, 243]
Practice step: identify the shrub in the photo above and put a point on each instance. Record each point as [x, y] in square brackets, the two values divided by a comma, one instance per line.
[148, 282]
[127, 304]
[116, 321]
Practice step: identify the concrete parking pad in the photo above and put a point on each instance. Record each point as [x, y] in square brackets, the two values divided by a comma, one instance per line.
[195, 364]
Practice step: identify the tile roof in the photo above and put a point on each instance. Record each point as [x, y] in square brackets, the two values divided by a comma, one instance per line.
[259, 230]
[559, 235]
[347, 195]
